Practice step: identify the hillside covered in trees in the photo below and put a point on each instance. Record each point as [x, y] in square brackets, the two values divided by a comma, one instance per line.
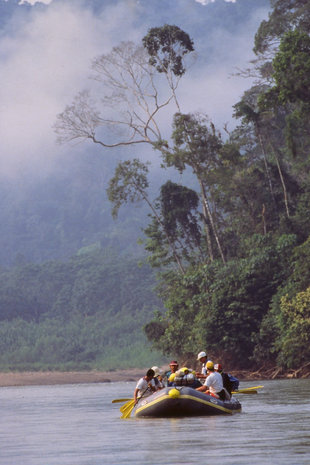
[53, 198]
[230, 247]
[84, 313]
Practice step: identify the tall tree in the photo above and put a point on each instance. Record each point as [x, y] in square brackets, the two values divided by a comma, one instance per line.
[168, 46]
[197, 146]
[178, 219]
[131, 94]
[129, 184]
[286, 15]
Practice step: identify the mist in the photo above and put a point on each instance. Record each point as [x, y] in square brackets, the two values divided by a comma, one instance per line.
[45, 61]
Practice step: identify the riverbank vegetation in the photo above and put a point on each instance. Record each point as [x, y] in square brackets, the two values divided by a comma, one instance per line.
[85, 313]
[231, 248]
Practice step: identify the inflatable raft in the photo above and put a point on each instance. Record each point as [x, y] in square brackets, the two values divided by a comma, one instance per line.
[182, 401]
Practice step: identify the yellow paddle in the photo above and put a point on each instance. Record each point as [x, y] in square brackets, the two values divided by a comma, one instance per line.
[125, 406]
[244, 391]
[129, 408]
[120, 400]
[250, 390]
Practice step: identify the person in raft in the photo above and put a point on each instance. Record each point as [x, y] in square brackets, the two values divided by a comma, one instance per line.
[174, 366]
[202, 357]
[213, 384]
[227, 384]
[145, 386]
[158, 378]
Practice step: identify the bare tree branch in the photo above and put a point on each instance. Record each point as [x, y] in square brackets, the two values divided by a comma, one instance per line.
[129, 103]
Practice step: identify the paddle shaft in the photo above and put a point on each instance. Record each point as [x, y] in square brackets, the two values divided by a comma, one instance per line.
[249, 390]
[244, 392]
[114, 401]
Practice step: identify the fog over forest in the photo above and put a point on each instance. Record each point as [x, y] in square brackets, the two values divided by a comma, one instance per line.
[46, 52]
[153, 195]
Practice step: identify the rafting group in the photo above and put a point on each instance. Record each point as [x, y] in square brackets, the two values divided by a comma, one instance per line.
[216, 382]
[185, 392]
[182, 392]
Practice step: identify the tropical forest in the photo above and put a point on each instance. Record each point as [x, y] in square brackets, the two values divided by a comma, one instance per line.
[216, 256]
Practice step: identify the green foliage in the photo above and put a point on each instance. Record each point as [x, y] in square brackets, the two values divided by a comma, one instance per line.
[178, 210]
[292, 68]
[167, 46]
[177, 203]
[73, 314]
[279, 328]
[286, 15]
[197, 144]
[128, 184]
[221, 306]
[288, 27]
[256, 196]
[174, 234]
[233, 256]
[295, 330]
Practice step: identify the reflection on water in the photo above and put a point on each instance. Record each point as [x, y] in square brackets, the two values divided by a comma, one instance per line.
[78, 425]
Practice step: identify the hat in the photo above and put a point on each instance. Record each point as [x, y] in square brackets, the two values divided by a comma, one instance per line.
[174, 362]
[210, 365]
[218, 367]
[200, 355]
[156, 371]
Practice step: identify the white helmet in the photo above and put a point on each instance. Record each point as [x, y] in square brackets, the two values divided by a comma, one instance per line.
[156, 371]
[200, 355]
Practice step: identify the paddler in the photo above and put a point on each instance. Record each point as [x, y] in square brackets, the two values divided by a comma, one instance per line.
[213, 384]
[158, 378]
[145, 386]
[202, 358]
[174, 366]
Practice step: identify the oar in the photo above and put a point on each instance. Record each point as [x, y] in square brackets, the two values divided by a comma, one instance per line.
[129, 408]
[249, 390]
[244, 391]
[114, 401]
[125, 406]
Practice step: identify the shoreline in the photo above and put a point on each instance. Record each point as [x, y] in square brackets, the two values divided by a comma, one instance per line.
[49, 378]
[46, 378]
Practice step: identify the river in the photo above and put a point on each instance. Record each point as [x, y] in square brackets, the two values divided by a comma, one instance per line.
[78, 425]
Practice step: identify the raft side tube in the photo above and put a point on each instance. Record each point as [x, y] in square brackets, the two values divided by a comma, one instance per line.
[184, 401]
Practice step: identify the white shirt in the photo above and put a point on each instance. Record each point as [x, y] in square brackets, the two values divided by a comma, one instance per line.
[144, 389]
[203, 369]
[214, 381]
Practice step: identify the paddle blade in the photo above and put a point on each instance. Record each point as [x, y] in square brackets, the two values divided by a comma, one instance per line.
[128, 410]
[128, 404]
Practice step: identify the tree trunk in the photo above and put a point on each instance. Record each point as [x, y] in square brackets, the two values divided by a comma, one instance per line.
[274, 151]
[209, 214]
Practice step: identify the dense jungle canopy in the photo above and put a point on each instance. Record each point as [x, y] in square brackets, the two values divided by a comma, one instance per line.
[229, 251]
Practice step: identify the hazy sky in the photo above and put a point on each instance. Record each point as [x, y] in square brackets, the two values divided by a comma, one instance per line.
[205, 2]
[45, 60]
[46, 2]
